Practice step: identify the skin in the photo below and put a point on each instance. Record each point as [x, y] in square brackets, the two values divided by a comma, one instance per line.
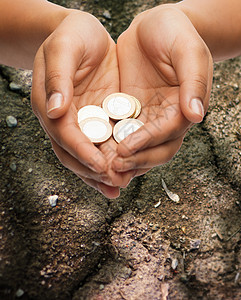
[179, 68]
[171, 74]
[91, 76]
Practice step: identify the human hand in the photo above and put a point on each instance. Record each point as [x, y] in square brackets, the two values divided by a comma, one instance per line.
[166, 65]
[74, 67]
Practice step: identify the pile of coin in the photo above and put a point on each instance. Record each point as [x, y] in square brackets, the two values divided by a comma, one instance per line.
[94, 120]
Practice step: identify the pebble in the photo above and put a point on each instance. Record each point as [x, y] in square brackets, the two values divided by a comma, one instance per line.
[53, 200]
[14, 86]
[13, 167]
[174, 263]
[107, 15]
[11, 121]
[101, 287]
[194, 244]
[19, 293]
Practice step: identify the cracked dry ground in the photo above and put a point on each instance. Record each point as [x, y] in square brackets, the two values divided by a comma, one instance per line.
[88, 247]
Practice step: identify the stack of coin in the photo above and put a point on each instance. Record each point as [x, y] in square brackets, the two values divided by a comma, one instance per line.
[94, 120]
[94, 123]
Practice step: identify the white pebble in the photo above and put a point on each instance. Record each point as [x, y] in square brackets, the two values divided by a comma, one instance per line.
[11, 121]
[19, 293]
[174, 263]
[14, 86]
[13, 167]
[53, 200]
[107, 14]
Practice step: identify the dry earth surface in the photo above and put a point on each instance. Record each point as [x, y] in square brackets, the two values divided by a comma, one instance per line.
[89, 247]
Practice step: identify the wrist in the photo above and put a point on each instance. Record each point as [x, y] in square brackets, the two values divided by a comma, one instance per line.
[218, 24]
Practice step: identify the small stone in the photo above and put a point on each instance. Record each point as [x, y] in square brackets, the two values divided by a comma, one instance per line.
[13, 167]
[14, 86]
[19, 293]
[194, 244]
[107, 15]
[101, 287]
[11, 121]
[53, 200]
[30, 170]
[174, 264]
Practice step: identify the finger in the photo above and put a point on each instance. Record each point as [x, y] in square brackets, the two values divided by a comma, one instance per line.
[67, 50]
[148, 158]
[75, 166]
[117, 179]
[169, 126]
[108, 191]
[67, 135]
[61, 61]
[193, 65]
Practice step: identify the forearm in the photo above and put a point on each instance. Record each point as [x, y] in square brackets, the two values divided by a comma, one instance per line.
[24, 25]
[218, 23]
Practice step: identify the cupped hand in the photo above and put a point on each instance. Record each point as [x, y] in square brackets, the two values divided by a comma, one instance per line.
[166, 65]
[74, 67]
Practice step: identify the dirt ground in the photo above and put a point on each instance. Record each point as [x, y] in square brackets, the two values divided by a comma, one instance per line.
[143, 245]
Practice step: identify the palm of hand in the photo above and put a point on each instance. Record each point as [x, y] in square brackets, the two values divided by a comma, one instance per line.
[151, 78]
[96, 76]
[90, 88]
[145, 70]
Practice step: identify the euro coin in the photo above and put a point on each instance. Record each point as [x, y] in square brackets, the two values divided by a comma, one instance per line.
[119, 106]
[96, 129]
[90, 111]
[138, 108]
[125, 127]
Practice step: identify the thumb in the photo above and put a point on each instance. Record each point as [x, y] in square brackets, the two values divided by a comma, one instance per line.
[194, 72]
[60, 69]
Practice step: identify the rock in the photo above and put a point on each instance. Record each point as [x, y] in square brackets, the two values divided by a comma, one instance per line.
[174, 264]
[53, 200]
[194, 244]
[11, 121]
[107, 15]
[14, 86]
[19, 293]
[13, 166]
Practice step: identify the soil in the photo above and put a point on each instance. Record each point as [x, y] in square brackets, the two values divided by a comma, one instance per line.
[89, 247]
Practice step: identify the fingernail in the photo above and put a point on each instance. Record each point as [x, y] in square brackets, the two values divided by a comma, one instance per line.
[197, 107]
[55, 101]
